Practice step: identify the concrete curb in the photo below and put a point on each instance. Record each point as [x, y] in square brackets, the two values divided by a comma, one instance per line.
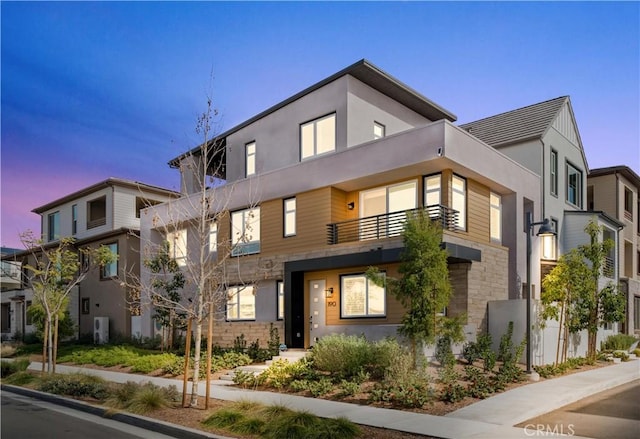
[151, 424]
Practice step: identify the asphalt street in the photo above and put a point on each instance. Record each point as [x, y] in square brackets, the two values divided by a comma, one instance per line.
[613, 414]
[28, 418]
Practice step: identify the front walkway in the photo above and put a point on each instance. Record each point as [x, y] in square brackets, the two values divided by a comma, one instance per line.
[491, 418]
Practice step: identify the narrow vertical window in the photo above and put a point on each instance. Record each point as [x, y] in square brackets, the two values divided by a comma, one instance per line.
[378, 131]
[111, 270]
[628, 204]
[574, 185]
[251, 158]
[290, 217]
[459, 200]
[53, 223]
[432, 187]
[280, 304]
[553, 172]
[178, 246]
[495, 217]
[213, 237]
[74, 219]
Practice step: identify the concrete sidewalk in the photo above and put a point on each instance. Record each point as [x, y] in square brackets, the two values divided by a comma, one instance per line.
[491, 418]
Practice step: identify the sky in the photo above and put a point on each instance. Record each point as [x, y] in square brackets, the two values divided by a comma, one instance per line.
[92, 90]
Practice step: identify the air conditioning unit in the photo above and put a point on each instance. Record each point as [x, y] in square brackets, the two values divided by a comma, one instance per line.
[100, 330]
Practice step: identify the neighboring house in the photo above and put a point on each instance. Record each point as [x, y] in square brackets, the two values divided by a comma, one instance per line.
[324, 178]
[9, 280]
[544, 138]
[615, 190]
[106, 213]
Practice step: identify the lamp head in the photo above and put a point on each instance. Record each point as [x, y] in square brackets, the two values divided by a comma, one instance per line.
[546, 229]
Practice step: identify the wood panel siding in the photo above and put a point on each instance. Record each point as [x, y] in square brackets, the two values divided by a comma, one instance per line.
[478, 214]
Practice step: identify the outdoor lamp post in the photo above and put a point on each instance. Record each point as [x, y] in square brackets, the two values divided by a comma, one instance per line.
[546, 229]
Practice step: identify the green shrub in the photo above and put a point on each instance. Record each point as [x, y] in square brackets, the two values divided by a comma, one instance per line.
[320, 387]
[620, 342]
[622, 355]
[444, 354]
[343, 355]
[348, 388]
[150, 397]
[150, 363]
[470, 352]
[76, 384]
[10, 367]
[489, 361]
[453, 392]
[505, 351]
[224, 418]
[19, 378]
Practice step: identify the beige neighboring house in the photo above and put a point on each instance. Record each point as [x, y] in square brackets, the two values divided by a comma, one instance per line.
[104, 214]
[324, 180]
[615, 190]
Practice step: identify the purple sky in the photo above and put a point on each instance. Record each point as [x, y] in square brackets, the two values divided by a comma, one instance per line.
[94, 90]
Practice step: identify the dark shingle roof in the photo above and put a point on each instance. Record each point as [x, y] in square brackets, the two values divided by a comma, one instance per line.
[516, 125]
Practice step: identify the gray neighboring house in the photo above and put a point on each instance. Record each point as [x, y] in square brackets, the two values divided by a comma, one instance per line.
[544, 138]
[104, 214]
[616, 191]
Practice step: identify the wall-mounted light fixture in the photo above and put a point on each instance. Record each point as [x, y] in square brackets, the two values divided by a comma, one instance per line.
[351, 205]
[328, 292]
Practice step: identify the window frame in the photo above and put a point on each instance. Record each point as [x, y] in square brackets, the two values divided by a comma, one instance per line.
[238, 303]
[85, 305]
[628, 203]
[74, 219]
[289, 213]
[553, 172]
[104, 274]
[578, 190]
[53, 226]
[461, 223]
[96, 222]
[314, 123]
[240, 248]
[368, 283]
[172, 237]
[250, 158]
[213, 233]
[492, 209]
[279, 300]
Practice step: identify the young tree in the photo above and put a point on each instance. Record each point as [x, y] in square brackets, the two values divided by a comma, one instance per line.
[56, 270]
[572, 292]
[423, 288]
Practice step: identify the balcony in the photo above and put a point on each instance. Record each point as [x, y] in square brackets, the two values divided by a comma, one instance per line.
[386, 225]
[609, 267]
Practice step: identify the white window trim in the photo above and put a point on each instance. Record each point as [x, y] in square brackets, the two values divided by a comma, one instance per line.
[553, 172]
[178, 246]
[235, 303]
[497, 208]
[250, 158]
[462, 212]
[344, 312]
[280, 300]
[382, 128]
[580, 173]
[213, 237]
[290, 212]
[314, 123]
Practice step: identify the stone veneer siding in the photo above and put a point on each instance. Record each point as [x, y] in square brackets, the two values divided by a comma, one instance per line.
[225, 333]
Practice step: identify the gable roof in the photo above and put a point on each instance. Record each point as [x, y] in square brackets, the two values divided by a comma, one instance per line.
[365, 72]
[518, 125]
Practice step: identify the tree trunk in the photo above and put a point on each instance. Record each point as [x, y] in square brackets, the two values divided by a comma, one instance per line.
[44, 344]
[209, 348]
[55, 343]
[187, 354]
[196, 364]
[50, 346]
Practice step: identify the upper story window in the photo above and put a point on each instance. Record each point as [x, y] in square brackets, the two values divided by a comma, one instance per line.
[178, 246]
[53, 223]
[628, 204]
[97, 212]
[142, 203]
[574, 185]
[385, 201]
[550, 243]
[432, 187]
[110, 270]
[245, 231]
[378, 131]
[74, 219]
[280, 304]
[241, 303]
[318, 136]
[553, 172]
[213, 237]
[360, 297]
[290, 217]
[459, 200]
[250, 151]
[495, 217]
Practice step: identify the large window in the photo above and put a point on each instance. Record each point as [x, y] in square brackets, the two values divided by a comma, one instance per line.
[550, 243]
[290, 217]
[459, 200]
[432, 188]
[382, 201]
[318, 136]
[280, 304]
[574, 185]
[111, 270]
[53, 223]
[495, 217]
[553, 172]
[178, 246]
[250, 149]
[245, 229]
[213, 237]
[241, 303]
[97, 212]
[360, 297]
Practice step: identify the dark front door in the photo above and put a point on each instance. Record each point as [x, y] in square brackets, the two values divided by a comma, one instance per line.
[296, 336]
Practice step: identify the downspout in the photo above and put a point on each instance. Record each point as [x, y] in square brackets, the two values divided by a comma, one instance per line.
[544, 179]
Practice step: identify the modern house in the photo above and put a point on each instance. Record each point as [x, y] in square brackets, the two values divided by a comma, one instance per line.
[323, 181]
[615, 190]
[104, 214]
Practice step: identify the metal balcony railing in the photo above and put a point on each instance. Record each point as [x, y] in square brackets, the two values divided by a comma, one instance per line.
[386, 225]
[609, 267]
